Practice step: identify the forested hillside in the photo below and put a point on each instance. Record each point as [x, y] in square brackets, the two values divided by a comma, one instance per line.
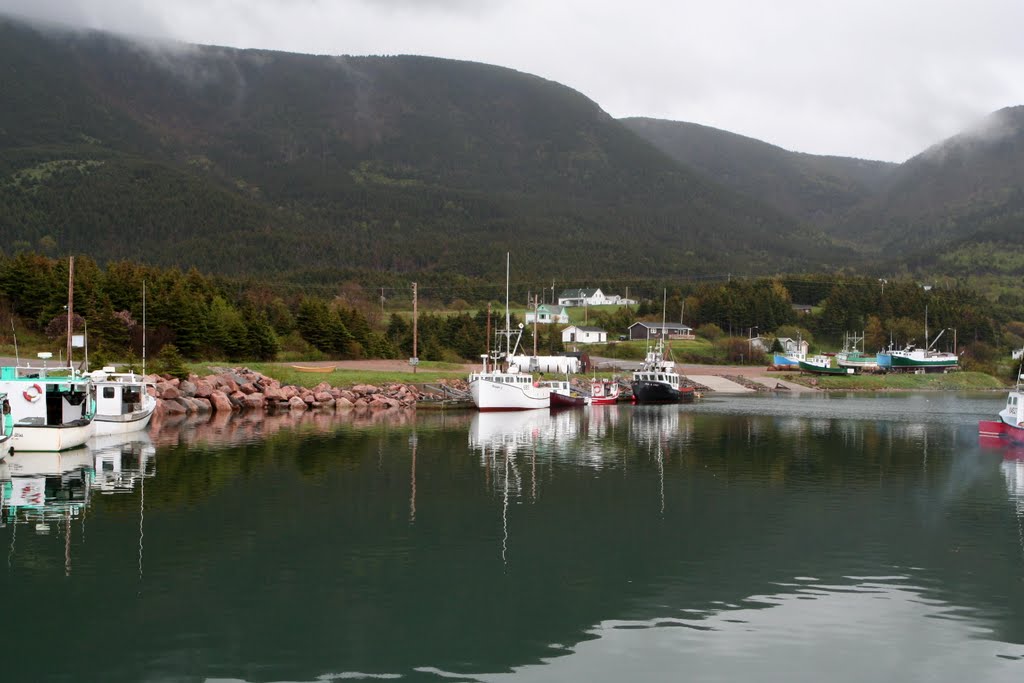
[311, 168]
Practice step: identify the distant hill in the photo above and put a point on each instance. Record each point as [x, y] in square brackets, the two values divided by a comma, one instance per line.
[965, 194]
[956, 208]
[310, 167]
[813, 189]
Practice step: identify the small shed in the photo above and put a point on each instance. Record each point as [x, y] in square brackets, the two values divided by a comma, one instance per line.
[574, 334]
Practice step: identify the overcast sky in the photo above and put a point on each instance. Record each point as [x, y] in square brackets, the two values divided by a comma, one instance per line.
[877, 79]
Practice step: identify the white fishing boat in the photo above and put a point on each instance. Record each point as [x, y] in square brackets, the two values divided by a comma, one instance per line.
[123, 404]
[502, 384]
[52, 408]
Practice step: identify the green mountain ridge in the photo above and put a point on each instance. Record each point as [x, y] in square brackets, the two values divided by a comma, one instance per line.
[312, 169]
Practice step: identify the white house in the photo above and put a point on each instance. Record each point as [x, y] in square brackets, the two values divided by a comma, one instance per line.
[547, 314]
[791, 347]
[591, 297]
[584, 335]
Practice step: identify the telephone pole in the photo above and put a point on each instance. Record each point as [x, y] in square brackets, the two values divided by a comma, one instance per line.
[415, 320]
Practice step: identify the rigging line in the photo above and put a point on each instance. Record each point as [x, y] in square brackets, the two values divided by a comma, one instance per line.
[142, 515]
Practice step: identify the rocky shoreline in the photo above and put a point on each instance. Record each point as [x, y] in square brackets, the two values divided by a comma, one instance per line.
[238, 389]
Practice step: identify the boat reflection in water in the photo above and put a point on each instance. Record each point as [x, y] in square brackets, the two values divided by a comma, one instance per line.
[121, 462]
[41, 488]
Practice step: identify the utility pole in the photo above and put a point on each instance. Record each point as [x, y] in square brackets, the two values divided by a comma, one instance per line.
[382, 301]
[536, 312]
[415, 320]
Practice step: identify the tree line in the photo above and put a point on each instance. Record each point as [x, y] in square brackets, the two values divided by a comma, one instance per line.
[220, 317]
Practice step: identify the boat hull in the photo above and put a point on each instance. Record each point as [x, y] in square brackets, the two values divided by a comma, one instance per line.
[779, 359]
[562, 401]
[819, 370]
[488, 395]
[901, 362]
[51, 438]
[857, 361]
[123, 424]
[645, 391]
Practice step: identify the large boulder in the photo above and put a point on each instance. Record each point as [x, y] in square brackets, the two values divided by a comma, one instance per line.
[221, 402]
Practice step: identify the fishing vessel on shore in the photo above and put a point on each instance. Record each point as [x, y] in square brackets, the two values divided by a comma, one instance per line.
[822, 365]
[914, 359]
[852, 357]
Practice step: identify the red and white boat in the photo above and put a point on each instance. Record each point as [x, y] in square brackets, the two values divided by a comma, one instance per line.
[1010, 425]
[604, 392]
[563, 395]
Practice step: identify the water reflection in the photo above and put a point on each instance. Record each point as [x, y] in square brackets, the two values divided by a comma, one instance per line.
[612, 543]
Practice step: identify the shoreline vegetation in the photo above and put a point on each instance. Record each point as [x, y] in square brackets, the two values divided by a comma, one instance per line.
[387, 372]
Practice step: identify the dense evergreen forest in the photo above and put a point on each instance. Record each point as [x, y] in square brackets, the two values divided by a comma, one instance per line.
[223, 318]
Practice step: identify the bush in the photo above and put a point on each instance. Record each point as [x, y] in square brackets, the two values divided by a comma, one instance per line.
[170, 362]
[709, 331]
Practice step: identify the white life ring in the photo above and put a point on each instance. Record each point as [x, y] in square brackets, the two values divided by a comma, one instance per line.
[33, 393]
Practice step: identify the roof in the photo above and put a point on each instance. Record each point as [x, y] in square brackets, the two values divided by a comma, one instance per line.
[551, 308]
[658, 326]
[582, 328]
[579, 292]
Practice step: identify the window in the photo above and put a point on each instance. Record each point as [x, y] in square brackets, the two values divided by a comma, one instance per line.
[108, 392]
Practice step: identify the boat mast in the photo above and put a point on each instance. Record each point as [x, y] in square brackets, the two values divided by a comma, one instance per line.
[664, 302]
[71, 302]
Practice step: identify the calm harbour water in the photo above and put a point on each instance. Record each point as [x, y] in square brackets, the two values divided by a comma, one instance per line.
[829, 537]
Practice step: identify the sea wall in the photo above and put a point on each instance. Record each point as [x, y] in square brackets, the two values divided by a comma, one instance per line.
[243, 389]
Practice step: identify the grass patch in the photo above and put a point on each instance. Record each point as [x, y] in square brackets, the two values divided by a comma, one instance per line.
[953, 381]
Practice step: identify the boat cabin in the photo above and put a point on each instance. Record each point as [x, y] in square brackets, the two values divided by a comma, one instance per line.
[670, 378]
[118, 393]
[40, 398]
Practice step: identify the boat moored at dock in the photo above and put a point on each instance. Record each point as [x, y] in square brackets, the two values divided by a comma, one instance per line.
[52, 408]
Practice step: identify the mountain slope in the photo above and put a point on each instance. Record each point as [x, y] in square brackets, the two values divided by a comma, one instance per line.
[307, 167]
[814, 189]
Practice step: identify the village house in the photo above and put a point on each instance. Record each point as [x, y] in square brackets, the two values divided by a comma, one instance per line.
[548, 314]
[591, 297]
[792, 347]
[645, 330]
[584, 335]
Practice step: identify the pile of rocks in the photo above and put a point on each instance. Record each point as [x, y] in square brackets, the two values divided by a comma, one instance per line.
[243, 389]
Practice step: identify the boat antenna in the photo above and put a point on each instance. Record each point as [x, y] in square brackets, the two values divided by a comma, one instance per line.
[143, 327]
[508, 319]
